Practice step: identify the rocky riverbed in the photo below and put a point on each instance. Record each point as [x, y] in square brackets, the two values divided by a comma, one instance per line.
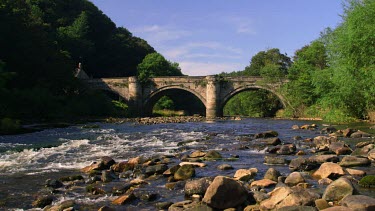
[331, 170]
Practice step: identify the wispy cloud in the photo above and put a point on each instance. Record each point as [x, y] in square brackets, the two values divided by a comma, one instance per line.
[157, 33]
[242, 25]
[201, 68]
[189, 50]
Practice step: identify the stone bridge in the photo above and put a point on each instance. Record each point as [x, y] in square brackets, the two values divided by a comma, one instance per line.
[213, 91]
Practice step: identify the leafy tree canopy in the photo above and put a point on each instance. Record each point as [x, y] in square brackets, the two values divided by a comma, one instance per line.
[155, 64]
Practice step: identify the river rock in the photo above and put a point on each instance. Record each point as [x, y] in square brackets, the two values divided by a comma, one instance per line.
[260, 196]
[124, 199]
[122, 167]
[329, 170]
[325, 181]
[184, 172]
[272, 174]
[197, 154]
[294, 178]
[295, 127]
[371, 154]
[364, 143]
[163, 205]
[321, 141]
[171, 171]
[107, 162]
[263, 183]
[52, 183]
[287, 149]
[360, 134]
[338, 208]
[359, 202]
[338, 189]
[350, 161]
[347, 132]
[339, 148]
[213, 155]
[324, 158]
[225, 193]
[108, 176]
[355, 172]
[196, 164]
[363, 151]
[274, 160]
[272, 141]
[266, 134]
[328, 130]
[156, 169]
[245, 174]
[225, 167]
[43, 201]
[198, 186]
[286, 196]
[297, 208]
[302, 164]
[321, 204]
[106, 208]
[93, 167]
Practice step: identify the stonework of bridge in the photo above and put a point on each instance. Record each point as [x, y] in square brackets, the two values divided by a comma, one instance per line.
[213, 91]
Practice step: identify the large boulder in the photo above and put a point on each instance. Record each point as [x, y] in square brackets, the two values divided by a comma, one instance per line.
[225, 193]
[338, 189]
[294, 178]
[359, 202]
[321, 141]
[371, 154]
[286, 196]
[198, 186]
[349, 161]
[329, 170]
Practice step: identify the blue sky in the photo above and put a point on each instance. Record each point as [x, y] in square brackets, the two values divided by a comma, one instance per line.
[211, 36]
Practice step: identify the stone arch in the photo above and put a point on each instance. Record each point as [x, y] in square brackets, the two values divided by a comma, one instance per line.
[247, 88]
[152, 98]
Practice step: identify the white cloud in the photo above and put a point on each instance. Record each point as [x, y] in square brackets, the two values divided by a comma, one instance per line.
[192, 68]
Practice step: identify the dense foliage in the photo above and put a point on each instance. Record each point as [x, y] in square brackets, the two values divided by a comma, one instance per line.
[155, 64]
[334, 76]
[41, 43]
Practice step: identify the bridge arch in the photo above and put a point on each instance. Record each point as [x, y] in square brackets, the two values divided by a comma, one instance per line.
[153, 97]
[238, 90]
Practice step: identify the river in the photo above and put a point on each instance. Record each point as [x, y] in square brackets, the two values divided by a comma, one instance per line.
[27, 160]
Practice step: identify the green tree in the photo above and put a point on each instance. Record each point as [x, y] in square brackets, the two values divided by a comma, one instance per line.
[155, 64]
[351, 57]
[269, 57]
[164, 103]
[304, 76]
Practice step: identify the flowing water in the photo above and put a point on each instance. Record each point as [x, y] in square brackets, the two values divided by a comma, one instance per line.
[27, 160]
